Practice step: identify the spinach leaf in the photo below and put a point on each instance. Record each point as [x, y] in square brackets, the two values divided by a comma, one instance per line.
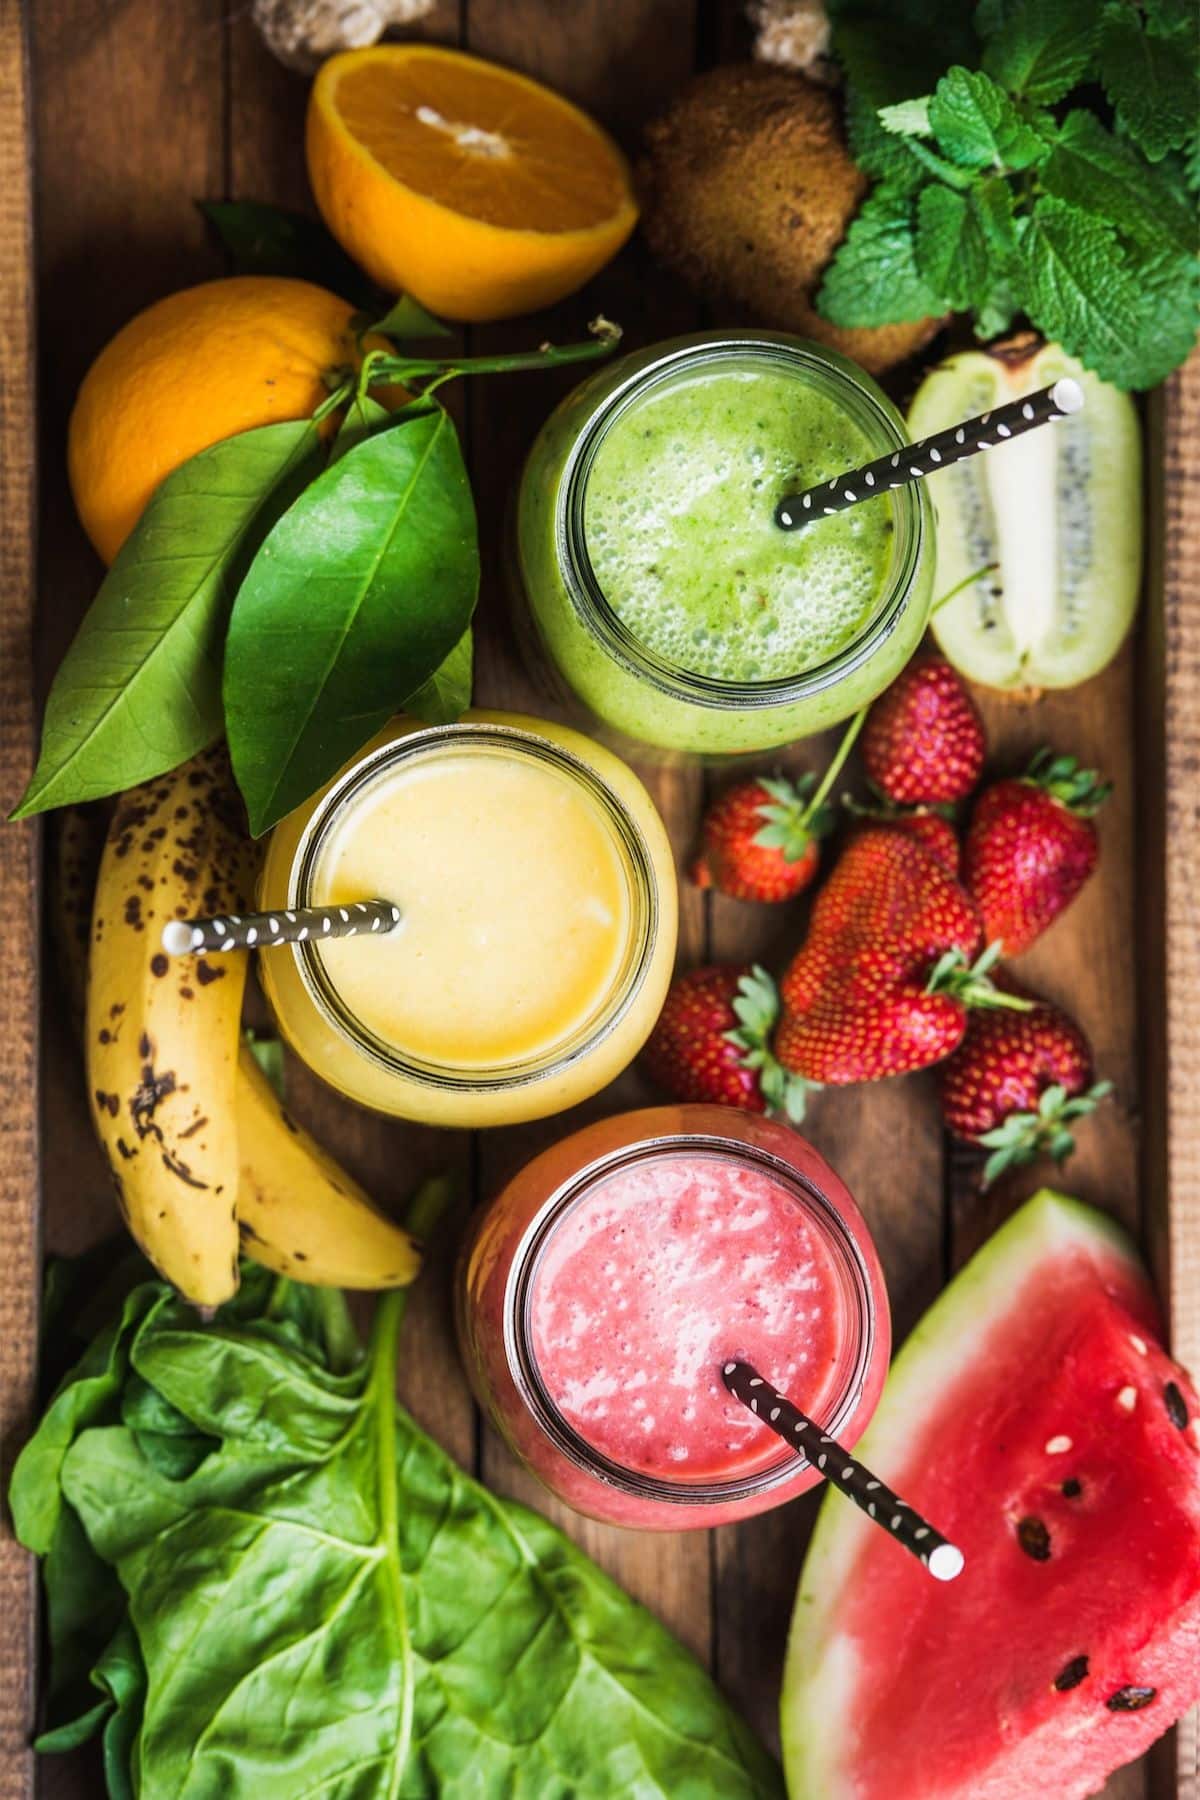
[139, 690]
[361, 590]
[326, 1604]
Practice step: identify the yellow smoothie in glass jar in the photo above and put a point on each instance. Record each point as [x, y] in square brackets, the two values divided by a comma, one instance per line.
[537, 897]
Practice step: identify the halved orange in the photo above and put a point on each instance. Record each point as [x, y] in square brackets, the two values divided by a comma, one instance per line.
[474, 189]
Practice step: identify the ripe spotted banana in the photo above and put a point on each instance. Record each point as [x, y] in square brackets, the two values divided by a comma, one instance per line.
[162, 1033]
[299, 1212]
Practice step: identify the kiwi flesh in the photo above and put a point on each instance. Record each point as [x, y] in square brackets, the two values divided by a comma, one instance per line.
[747, 188]
[1059, 510]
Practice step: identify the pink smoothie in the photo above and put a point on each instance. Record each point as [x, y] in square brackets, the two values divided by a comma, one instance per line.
[662, 1271]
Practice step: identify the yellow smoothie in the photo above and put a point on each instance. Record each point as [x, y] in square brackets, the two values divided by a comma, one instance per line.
[537, 894]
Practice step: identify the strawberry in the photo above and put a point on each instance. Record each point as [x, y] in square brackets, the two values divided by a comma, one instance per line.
[923, 742]
[710, 1042]
[928, 824]
[884, 979]
[759, 840]
[1016, 1082]
[1031, 846]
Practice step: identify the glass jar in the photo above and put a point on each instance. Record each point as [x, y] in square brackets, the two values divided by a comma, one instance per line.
[599, 1294]
[729, 635]
[538, 898]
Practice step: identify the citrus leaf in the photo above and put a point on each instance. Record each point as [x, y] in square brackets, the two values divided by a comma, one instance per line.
[360, 420]
[139, 690]
[268, 240]
[355, 598]
[447, 693]
[408, 319]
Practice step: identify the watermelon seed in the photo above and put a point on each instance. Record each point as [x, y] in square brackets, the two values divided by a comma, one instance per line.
[1138, 1343]
[1071, 1675]
[1034, 1539]
[1072, 1488]
[1130, 1699]
[1057, 1446]
[1176, 1406]
[1127, 1399]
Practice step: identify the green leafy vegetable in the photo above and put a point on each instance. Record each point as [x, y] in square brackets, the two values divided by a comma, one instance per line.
[994, 195]
[355, 598]
[326, 1604]
[139, 690]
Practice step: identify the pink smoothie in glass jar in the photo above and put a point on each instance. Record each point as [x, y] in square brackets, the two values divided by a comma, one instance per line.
[614, 1276]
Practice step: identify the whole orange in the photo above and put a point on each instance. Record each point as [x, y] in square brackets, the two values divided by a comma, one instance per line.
[190, 370]
[478, 191]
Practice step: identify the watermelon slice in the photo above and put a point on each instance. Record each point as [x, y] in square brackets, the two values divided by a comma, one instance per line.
[1034, 1417]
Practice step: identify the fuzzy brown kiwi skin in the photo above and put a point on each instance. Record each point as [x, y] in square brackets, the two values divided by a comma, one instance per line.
[747, 189]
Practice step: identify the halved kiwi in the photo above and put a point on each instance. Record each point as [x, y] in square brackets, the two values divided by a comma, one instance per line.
[1060, 511]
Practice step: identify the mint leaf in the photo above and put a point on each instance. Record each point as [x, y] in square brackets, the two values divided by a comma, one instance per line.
[995, 313]
[1151, 81]
[892, 51]
[1103, 174]
[992, 202]
[878, 152]
[1039, 51]
[873, 278]
[908, 118]
[978, 126]
[1078, 288]
[952, 253]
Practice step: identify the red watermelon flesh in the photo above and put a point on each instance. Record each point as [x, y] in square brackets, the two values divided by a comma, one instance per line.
[1041, 1426]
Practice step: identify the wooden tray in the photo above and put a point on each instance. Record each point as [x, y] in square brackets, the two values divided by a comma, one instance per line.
[136, 107]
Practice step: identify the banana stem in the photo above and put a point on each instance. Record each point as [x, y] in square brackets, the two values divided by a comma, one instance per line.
[837, 764]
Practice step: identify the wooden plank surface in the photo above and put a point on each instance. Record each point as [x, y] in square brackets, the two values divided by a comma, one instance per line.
[19, 1248]
[143, 106]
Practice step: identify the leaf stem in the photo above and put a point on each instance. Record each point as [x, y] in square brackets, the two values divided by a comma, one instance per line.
[837, 764]
[606, 336]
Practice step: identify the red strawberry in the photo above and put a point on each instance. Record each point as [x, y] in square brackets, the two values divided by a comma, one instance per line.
[1031, 846]
[927, 824]
[710, 1042]
[923, 742]
[1016, 1082]
[883, 981]
[759, 840]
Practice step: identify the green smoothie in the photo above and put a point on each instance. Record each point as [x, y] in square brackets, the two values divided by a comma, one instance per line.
[679, 526]
[661, 591]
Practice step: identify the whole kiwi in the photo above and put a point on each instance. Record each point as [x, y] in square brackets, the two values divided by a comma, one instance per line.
[747, 188]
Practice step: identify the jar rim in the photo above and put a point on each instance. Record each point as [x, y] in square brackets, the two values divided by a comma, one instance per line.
[871, 411]
[636, 860]
[819, 1209]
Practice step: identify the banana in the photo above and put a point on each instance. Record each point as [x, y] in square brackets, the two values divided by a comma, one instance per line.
[162, 1033]
[300, 1213]
[76, 843]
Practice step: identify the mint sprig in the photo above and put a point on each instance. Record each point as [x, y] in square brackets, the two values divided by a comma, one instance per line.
[1056, 177]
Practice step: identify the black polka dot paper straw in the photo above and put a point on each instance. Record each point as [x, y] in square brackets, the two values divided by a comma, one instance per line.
[258, 931]
[943, 1560]
[931, 454]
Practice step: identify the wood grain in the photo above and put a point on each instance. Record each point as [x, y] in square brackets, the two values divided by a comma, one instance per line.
[143, 106]
[19, 1247]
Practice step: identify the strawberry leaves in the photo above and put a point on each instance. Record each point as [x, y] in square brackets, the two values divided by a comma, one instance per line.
[1043, 1132]
[756, 1006]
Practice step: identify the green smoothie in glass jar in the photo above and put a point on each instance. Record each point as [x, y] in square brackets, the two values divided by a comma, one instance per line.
[662, 591]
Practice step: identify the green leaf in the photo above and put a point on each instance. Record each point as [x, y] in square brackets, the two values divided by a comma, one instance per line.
[361, 419]
[1151, 81]
[977, 125]
[879, 153]
[267, 240]
[447, 693]
[1131, 327]
[267, 1051]
[995, 313]
[1104, 174]
[355, 599]
[328, 1605]
[1041, 51]
[953, 254]
[408, 319]
[893, 49]
[139, 690]
[873, 278]
[908, 118]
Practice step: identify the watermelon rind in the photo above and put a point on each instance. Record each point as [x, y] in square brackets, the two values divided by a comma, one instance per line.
[818, 1674]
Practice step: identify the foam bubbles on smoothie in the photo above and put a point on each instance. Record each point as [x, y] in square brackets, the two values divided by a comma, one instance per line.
[681, 538]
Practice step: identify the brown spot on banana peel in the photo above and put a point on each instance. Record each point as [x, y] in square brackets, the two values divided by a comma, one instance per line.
[181, 1169]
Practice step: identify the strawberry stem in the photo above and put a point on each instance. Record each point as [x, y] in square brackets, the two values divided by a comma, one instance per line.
[971, 983]
[1081, 791]
[1024, 1135]
[837, 764]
